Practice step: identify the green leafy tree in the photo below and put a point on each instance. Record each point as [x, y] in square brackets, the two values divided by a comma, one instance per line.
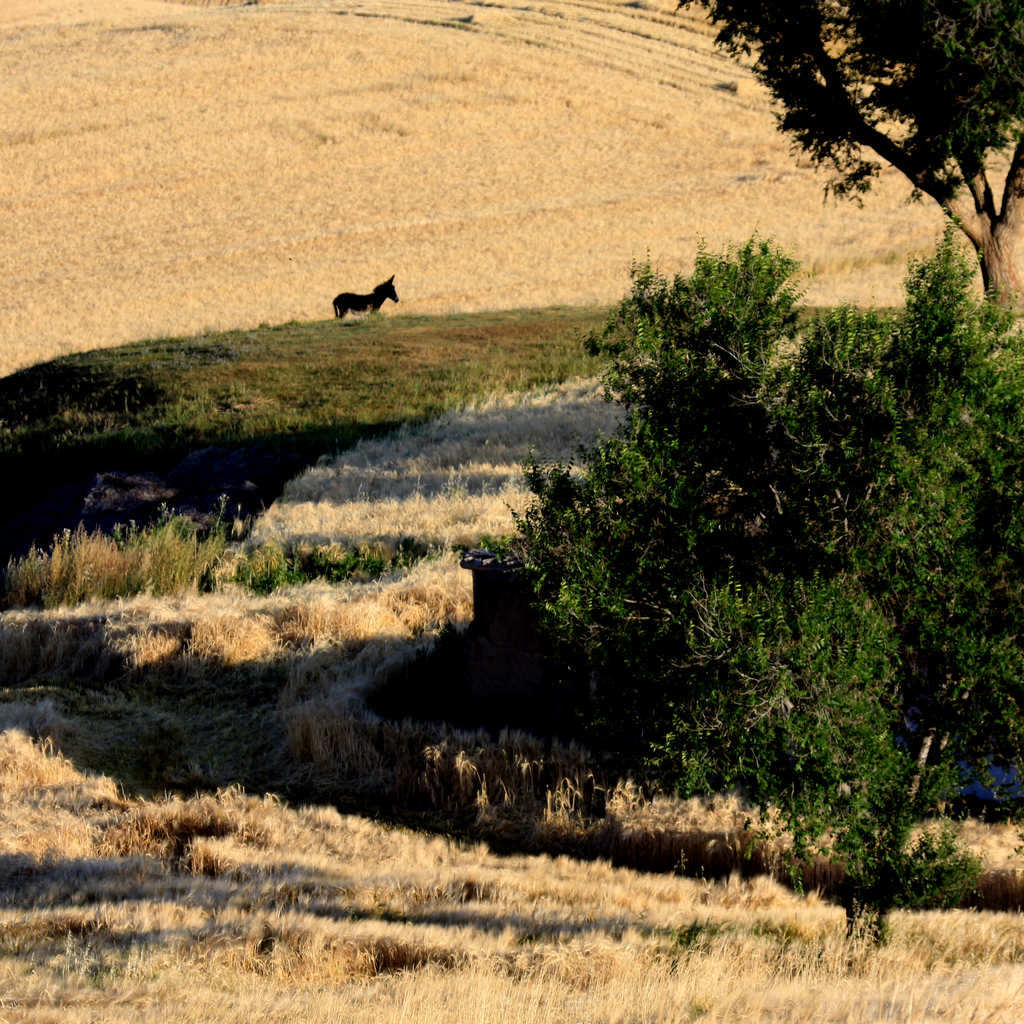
[797, 568]
[933, 87]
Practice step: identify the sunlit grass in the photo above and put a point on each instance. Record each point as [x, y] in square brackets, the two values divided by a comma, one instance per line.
[228, 907]
[171, 557]
[171, 169]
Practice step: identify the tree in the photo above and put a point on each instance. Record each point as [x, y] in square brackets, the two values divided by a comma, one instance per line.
[798, 567]
[933, 87]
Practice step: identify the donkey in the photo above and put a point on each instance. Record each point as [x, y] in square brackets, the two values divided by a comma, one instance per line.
[348, 302]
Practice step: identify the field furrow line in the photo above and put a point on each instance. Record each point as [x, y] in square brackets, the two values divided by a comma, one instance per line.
[676, 63]
[648, 45]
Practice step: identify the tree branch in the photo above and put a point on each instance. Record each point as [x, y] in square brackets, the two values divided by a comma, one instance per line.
[922, 761]
[983, 218]
[968, 219]
[981, 193]
[1013, 191]
[865, 133]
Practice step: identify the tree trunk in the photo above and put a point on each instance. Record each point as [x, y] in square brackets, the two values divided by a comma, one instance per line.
[993, 240]
[993, 230]
[998, 269]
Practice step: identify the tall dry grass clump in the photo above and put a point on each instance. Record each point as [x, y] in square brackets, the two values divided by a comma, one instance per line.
[435, 766]
[519, 791]
[45, 804]
[167, 558]
[166, 829]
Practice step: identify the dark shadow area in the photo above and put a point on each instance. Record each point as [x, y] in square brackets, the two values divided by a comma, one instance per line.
[72, 383]
[184, 723]
[493, 675]
[104, 484]
[83, 881]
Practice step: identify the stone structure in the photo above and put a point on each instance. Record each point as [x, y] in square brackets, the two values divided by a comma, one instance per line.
[503, 656]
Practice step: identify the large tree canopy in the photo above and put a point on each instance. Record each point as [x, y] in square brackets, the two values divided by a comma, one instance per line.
[933, 87]
[798, 568]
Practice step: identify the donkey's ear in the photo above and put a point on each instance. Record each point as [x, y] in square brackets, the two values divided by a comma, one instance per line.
[391, 279]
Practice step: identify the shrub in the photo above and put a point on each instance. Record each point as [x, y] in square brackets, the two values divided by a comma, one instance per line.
[796, 569]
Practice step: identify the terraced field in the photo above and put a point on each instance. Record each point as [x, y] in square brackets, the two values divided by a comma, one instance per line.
[170, 167]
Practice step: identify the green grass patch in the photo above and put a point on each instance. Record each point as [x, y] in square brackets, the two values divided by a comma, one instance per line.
[270, 566]
[301, 388]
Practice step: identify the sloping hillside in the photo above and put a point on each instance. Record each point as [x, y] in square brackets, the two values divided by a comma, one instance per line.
[168, 167]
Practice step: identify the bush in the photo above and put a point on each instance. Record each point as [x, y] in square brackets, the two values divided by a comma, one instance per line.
[796, 569]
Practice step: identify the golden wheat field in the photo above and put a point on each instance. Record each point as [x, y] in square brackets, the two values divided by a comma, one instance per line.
[234, 908]
[169, 167]
[230, 906]
[173, 166]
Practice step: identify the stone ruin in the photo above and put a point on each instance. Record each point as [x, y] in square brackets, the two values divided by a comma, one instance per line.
[503, 654]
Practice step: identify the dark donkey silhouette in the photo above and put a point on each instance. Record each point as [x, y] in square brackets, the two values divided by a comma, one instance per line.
[349, 302]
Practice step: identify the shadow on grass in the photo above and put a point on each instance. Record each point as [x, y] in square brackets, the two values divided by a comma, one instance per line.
[82, 913]
[423, 758]
[57, 897]
[99, 424]
[426, 760]
[37, 510]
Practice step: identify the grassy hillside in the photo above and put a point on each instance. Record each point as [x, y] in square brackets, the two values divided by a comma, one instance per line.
[302, 389]
[249, 895]
[202, 166]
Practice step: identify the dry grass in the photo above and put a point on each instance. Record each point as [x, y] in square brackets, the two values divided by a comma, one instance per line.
[187, 635]
[169, 168]
[447, 483]
[228, 906]
[209, 167]
[231, 908]
[169, 558]
[325, 648]
[293, 674]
